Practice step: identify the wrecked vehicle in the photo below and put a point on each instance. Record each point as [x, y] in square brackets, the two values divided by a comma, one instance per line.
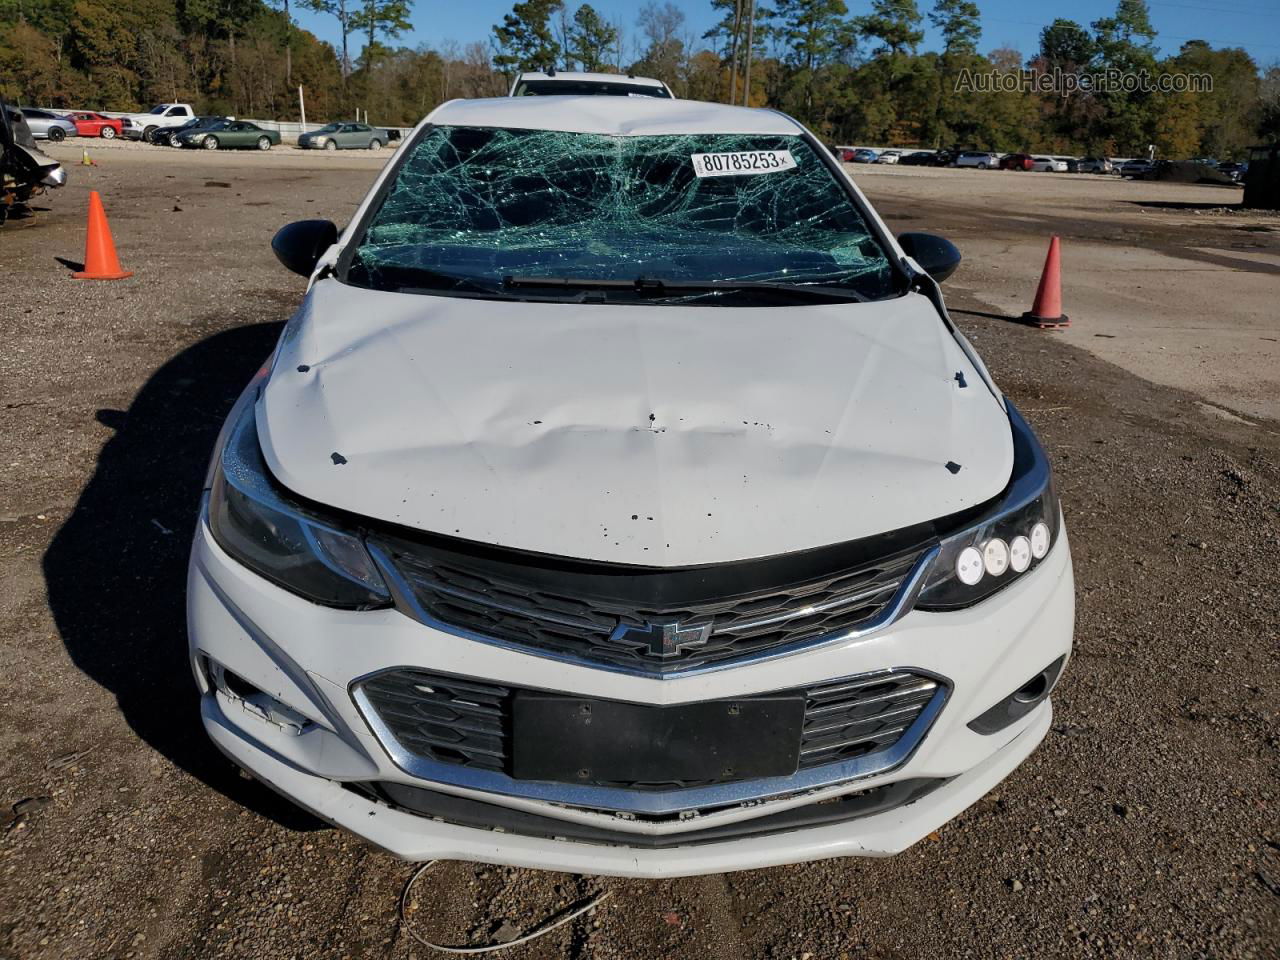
[568, 83]
[24, 171]
[622, 500]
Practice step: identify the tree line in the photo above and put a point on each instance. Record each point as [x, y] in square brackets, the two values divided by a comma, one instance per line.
[852, 77]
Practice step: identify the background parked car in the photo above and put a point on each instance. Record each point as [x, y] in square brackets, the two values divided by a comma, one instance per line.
[1094, 165]
[344, 136]
[1015, 161]
[1235, 171]
[1073, 163]
[864, 155]
[165, 138]
[46, 125]
[928, 158]
[976, 158]
[889, 156]
[1048, 165]
[142, 126]
[229, 135]
[1137, 168]
[90, 124]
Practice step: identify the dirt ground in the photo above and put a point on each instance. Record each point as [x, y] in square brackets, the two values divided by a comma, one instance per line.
[1147, 825]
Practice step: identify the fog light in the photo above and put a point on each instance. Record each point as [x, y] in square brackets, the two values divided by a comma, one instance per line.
[254, 701]
[1019, 703]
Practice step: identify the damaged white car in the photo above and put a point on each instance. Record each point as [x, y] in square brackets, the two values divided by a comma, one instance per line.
[622, 500]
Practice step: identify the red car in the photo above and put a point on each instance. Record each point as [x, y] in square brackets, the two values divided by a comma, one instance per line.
[95, 125]
[1016, 161]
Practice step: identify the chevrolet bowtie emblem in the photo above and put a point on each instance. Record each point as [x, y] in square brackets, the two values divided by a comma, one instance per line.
[663, 640]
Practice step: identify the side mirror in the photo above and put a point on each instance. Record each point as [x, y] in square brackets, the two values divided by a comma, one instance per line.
[300, 245]
[937, 255]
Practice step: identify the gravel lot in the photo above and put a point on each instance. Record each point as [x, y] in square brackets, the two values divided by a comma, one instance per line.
[1146, 825]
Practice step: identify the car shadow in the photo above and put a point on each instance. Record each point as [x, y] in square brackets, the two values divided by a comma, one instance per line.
[116, 570]
[1181, 204]
[985, 315]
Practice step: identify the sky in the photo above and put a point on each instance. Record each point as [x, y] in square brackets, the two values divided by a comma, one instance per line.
[1251, 24]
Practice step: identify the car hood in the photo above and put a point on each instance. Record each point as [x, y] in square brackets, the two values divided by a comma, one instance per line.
[652, 435]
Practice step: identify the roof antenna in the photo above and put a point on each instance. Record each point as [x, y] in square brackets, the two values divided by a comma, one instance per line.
[551, 71]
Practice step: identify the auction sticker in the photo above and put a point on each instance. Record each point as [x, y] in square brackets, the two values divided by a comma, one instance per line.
[742, 164]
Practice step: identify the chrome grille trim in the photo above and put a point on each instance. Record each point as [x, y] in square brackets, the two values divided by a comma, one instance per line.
[674, 799]
[808, 611]
[894, 609]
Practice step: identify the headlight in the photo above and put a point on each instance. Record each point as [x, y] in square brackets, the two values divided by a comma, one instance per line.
[1005, 546]
[285, 542]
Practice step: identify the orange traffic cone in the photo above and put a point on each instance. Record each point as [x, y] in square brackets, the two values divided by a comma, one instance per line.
[100, 262]
[1046, 313]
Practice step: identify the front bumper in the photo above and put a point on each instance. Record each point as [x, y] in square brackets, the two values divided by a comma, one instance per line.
[307, 657]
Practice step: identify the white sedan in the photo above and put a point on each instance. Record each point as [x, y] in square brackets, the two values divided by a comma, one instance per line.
[1048, 165]
[621, 500]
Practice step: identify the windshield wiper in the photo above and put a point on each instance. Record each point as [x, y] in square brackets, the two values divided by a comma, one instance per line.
[655, 287]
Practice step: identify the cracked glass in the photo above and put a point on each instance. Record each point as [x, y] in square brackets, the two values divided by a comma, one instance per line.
[473, 207]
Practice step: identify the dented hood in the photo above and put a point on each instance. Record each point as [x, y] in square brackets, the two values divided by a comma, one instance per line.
[663, 435]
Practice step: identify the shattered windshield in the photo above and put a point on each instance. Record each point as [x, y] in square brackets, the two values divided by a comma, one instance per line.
[480, 210]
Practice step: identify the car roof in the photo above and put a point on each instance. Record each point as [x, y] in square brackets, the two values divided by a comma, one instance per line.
[612, 116]
[590, 77]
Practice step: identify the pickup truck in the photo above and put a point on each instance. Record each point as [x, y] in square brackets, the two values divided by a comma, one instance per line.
[140, 126]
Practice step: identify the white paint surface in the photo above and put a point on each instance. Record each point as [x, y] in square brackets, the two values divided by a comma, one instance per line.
[655, 435]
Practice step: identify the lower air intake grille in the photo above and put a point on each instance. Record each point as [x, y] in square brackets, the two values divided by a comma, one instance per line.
[862, 715]
[467, 723]
[443, 718]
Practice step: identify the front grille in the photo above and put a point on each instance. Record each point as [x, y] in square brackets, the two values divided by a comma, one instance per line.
[648, 639]
[468, 723]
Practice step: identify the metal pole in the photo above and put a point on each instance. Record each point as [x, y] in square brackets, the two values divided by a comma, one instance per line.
[751, 34]
[733, 51]
[302, 109]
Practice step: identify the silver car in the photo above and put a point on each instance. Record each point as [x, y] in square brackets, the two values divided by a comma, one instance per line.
[1095, 165]
[977, 158]
[46, 125]
[344, 136]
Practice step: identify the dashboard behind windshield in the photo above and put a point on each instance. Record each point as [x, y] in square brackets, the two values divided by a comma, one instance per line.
[476, 206]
